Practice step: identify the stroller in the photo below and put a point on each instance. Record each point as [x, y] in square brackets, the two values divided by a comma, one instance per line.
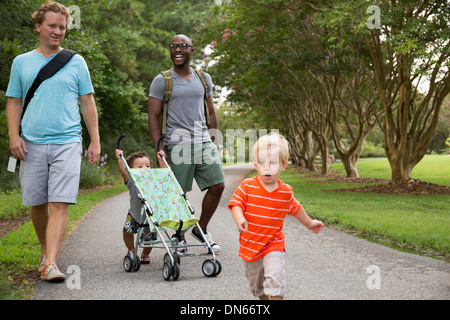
[164, 208]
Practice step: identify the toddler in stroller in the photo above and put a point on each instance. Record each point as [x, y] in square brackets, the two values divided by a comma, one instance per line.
[164, 207]
[136, 160]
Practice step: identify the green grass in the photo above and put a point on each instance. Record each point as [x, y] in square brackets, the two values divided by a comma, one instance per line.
[432, 168]
[421, 223]
[19, 250]
[11, 205]
[418, 222]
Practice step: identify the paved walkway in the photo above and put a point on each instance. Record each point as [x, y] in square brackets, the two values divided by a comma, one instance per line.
[331, 265]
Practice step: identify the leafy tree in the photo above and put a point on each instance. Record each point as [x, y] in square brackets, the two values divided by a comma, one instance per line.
[124, 43]
[401, 48]
[274, 54]
[356, 108]
[410, 50]
[249, 58]
[17, 36]
[438, 143]
[416, 48]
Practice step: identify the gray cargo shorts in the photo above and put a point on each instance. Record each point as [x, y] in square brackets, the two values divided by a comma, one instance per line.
[51, 173]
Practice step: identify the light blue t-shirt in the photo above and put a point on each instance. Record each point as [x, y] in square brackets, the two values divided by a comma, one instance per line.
[53, 115]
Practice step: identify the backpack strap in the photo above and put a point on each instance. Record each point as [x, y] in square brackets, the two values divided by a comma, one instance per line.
[202, 77]
[168, 86]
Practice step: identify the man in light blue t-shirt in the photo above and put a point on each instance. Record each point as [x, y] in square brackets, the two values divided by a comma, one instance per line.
[49, 146]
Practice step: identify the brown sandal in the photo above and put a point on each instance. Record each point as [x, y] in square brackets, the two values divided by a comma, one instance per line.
[145, 259]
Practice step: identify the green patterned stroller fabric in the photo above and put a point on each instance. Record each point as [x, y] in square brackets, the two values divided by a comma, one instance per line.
[164, 195]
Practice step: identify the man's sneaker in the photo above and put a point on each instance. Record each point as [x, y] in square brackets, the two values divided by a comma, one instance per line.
[208, 237]
[51, 273]
[182, 250]
[41, 262]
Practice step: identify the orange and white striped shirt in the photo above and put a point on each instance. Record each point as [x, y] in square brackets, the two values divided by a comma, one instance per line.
[265, 212]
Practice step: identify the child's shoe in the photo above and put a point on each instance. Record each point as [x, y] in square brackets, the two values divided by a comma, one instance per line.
[182, 249]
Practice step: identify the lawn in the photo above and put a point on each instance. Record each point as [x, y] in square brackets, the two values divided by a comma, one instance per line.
[420, 223]
[433, 169]
[20, 250]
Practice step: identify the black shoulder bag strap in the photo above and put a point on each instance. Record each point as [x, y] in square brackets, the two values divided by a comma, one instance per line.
[54, 65]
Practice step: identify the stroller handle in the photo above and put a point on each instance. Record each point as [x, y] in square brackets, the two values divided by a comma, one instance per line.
[120, 139]
[158, 147]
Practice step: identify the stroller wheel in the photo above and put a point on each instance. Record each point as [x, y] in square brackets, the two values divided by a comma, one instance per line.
[137, 263]
[176, 271]
[127, 263]
[209, 268]
[166, 271]
[218, 267]
[168, 260]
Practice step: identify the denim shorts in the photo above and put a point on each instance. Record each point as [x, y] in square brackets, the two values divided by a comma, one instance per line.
[51, 173]
[196, 161]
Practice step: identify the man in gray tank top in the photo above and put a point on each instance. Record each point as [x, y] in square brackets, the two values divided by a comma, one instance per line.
[188, 143]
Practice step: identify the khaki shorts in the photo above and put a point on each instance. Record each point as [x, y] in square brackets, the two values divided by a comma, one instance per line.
[51, 173]
[200, 161]
[266, 275]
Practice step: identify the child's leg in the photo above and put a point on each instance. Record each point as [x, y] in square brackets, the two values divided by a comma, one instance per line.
[274, 282]
[260, 274]
[145, 256]
[128, 238]
[255, 276]
[146, 251]
[129, 229]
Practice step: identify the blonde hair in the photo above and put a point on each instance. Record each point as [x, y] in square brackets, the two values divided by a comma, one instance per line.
[269, 141]
[39, 16]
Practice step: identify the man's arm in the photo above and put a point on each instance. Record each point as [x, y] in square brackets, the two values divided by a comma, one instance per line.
[212, 117]
[154, 112]
[14, 111]
[89, 110]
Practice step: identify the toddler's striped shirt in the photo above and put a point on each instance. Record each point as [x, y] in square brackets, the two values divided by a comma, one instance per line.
[265, 212]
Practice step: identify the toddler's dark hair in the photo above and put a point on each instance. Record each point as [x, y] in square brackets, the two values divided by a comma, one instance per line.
[140, 154]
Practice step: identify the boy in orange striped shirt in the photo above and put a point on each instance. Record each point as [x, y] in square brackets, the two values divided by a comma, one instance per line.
[259, 206]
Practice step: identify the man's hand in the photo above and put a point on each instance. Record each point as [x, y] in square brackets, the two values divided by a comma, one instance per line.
[18, 148]
[94, 153]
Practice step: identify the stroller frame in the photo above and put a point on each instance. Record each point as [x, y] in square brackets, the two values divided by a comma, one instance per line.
[171, 267]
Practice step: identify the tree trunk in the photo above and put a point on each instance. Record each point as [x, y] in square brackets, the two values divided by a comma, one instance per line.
[310, 165]
[324, 159]
[400, 172]
[350, 164]
[411, 117]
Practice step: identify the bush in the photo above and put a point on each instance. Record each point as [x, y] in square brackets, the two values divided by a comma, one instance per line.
[9, 181]
[96, 174]
[11, 205]
[372, 150]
